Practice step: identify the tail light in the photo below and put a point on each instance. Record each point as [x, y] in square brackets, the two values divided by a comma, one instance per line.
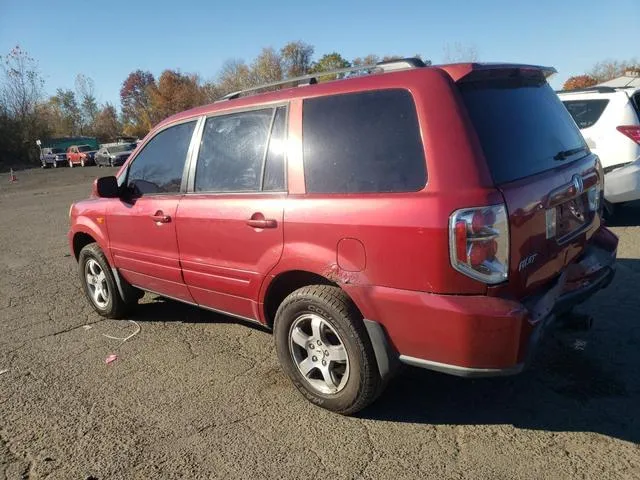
[631, 131]
[479, 243]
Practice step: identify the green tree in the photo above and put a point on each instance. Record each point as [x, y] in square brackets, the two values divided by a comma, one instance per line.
[329, 61]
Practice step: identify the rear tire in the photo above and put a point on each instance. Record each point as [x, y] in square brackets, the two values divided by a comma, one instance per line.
[323, 347]
[100, 286]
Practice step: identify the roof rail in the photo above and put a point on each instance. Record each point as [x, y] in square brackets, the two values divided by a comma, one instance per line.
[312, 78]
[590, 89]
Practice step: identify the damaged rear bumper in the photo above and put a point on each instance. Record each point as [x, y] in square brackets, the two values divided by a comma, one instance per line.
[479, 336]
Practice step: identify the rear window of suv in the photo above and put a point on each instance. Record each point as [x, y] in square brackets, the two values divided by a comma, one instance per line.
[586, 112]
[363, 143]
[522, 125]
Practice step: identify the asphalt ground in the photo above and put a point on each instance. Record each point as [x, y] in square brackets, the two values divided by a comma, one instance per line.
[200, 395]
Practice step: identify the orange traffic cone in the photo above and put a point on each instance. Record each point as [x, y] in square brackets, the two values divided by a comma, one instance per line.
[12, 177]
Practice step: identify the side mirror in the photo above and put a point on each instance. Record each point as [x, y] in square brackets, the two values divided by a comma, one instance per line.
[107, 187]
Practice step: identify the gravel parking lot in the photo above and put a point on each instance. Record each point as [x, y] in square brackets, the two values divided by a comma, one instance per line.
[196, 394]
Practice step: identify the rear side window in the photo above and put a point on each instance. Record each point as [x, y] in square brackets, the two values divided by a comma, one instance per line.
[232, 152]
[363, 143]
[586, 112]
[159, 166]
[275, 161]
[522, 125]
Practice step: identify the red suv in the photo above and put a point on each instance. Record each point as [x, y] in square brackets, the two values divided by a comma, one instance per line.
[438, 216]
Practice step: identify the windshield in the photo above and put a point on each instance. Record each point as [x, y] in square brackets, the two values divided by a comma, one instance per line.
[57, 150]
[84, 148]
[125, 147]
[523, 127]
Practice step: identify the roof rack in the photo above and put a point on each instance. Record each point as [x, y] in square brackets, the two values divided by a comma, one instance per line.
[590, 89]
[312, 78]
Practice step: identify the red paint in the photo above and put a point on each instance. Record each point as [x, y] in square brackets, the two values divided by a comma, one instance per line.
[390, 252]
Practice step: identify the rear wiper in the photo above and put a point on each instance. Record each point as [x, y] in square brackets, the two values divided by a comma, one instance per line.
[564, 154]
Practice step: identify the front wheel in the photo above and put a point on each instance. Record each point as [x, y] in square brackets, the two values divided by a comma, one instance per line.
[70, 164]
[323, 347]
[82, 162]
[100, 286]
[55, 164]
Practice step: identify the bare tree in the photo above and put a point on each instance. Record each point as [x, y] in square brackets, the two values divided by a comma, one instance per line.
[22, 86]
[235, 75]
[609, 69]
[267, 67]
[459, 52]
[296, 58]
[85, 95]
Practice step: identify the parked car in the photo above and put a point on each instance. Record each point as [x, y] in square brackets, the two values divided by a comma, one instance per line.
[80, 155]
[113, 154]
[52, 157]
[440, 217]
[609, 119]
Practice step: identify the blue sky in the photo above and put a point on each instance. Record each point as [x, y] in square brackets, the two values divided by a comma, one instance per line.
[107, 40]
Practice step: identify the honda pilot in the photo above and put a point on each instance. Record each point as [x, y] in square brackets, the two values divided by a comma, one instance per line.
[435, 216]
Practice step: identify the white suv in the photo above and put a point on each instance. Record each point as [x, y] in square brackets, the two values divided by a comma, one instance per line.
[609, 119]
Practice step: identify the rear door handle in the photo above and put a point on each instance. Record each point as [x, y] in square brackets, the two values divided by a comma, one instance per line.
[263, 223]
[160, 217]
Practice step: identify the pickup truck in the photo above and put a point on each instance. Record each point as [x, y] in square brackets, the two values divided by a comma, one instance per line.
[80, 155]
[52, 157]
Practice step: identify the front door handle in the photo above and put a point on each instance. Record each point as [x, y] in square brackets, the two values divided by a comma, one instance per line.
[262, 223]
[160, 217]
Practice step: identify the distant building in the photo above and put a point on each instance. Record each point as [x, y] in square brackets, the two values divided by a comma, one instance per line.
[629, 79]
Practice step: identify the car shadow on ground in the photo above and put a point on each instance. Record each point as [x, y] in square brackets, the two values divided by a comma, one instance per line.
[579, 381]
[627, 215]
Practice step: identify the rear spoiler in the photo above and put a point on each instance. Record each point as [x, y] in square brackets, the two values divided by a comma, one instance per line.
[460, 71]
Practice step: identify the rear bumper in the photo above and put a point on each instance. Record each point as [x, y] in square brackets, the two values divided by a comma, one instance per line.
[623, 184]
[482, 336]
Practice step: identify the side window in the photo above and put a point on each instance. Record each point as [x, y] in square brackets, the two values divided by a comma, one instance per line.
[586, 112]
[362, 143]
[232, 151]
[158, 167]
[274, 178]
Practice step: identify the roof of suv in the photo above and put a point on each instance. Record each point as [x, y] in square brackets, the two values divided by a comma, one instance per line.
[389, 77]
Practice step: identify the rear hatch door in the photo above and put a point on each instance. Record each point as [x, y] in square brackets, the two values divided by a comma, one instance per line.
[549, 179]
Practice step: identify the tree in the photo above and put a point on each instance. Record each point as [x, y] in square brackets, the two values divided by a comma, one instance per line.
[87, 102]
[579, 81]
[370, 59]
[610, 69]
[106, 126]
[296, 58]
[135, 102]
[329, 61]
[65, 113]
[174, 93]
[234, 76]
[21, 90]
[459, 52]
[267, 67]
